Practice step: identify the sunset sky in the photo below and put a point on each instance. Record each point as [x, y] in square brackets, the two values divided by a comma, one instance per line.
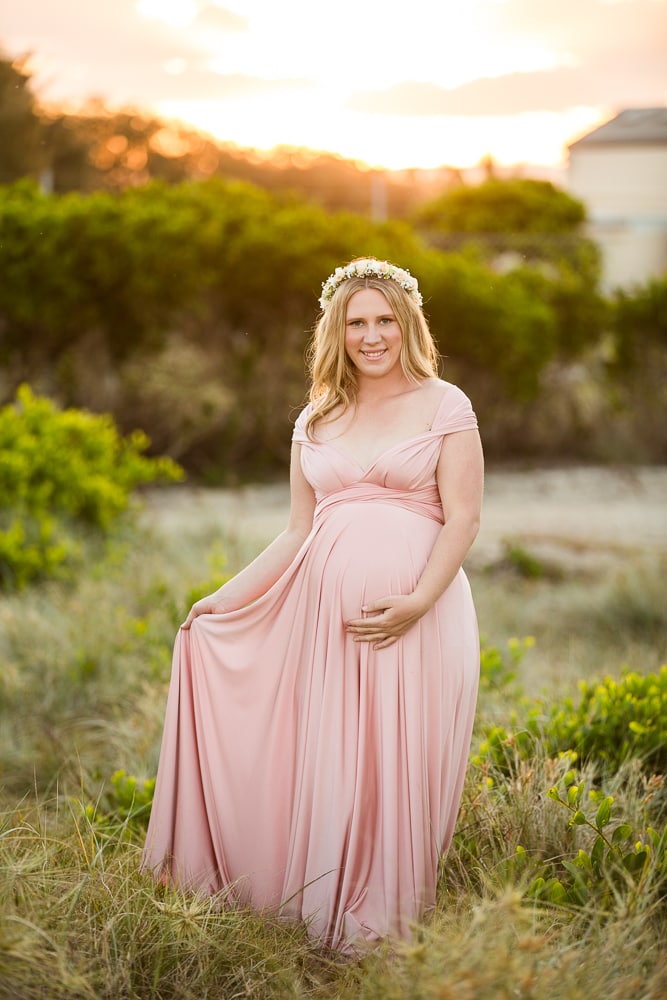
[397, 84]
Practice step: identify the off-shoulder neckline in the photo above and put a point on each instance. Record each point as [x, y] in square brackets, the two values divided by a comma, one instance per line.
[393, 447]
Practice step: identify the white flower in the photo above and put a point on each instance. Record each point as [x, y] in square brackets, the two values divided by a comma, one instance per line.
[370, 269]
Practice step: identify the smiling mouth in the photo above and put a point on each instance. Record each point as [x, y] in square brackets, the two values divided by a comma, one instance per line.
[374, 355]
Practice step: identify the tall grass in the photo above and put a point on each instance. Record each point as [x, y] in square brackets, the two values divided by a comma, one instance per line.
[588, 622]
[84, 674]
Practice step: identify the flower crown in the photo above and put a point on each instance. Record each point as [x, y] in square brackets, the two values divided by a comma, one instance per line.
[370, 268]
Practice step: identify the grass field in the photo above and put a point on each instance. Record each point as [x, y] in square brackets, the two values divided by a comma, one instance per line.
[576, 560]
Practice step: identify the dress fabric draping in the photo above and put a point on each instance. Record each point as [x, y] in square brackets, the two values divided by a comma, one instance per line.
[308, 774]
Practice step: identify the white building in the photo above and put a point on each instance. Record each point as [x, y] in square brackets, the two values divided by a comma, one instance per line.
[619, 171]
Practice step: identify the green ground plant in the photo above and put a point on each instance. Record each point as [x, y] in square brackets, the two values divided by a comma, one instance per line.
[613, 720]
[85, 669]
[622, 864]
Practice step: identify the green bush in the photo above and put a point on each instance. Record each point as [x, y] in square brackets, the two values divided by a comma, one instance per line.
[523, 562]
[517, 205]
[60, 469]
[619, 861]
[534, 229]
[230, 274]
[613, 721]
[498, 323]
[497, 669]
[640, 320]
[126, 806]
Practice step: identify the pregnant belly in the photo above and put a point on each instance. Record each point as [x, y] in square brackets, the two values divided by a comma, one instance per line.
[368, 550]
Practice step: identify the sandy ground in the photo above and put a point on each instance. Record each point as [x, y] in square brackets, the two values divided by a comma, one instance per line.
[573, 514]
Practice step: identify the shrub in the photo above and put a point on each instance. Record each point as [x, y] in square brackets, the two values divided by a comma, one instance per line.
[523, 562]
[60, 469]
[498, 670]
[640, 320]
[127, 805]
[516, 205]
[171, 273]
[620, 861]
[613, 721]
[533, 229]
[606, 857]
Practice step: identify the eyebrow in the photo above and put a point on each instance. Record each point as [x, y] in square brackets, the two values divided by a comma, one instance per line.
[387, 315]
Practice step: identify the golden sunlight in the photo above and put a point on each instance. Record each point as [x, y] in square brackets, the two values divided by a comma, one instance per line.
[352, 49]
[425, 84]
[387, 141]
[303, 85]
[175, 13]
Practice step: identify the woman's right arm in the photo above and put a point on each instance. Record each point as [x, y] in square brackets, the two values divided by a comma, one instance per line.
[260, 575]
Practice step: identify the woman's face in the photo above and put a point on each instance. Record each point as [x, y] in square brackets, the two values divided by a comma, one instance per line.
[373, 337]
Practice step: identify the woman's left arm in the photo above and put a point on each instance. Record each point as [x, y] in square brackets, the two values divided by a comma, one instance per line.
[460, 477]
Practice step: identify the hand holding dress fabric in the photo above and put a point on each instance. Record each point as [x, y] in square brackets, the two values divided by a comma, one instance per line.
[210, 605]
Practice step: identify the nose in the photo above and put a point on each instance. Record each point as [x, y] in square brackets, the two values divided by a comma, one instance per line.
[372, 334]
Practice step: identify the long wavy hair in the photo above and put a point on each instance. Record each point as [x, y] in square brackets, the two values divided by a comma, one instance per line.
[333, 376]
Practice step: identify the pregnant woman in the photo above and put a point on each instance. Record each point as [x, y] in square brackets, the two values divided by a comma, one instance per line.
[321, 705]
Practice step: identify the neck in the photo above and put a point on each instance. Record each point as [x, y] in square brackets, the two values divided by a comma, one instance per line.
[371, 390]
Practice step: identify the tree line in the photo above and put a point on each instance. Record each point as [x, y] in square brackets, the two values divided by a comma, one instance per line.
[173, 281]
[187, 309]
[96, 149]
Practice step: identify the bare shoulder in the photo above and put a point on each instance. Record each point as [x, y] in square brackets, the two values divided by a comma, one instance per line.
[450, 390]
[430, 395]
[439, 386]
[334, 423]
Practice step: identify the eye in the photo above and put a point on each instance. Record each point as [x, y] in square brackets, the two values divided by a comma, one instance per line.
[386, 319]
[355, 322]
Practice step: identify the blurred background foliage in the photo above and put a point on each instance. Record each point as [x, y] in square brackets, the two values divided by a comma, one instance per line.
[172, 281]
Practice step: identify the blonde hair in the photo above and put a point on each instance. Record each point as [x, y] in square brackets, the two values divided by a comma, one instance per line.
[333, 376]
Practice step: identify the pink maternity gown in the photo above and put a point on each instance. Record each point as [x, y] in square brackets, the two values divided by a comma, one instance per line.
[315, 776]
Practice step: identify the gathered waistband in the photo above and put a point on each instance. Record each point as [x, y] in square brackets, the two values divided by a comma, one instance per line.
[424, 501]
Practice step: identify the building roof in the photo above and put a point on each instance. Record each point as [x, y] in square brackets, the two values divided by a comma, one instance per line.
[646, 126]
